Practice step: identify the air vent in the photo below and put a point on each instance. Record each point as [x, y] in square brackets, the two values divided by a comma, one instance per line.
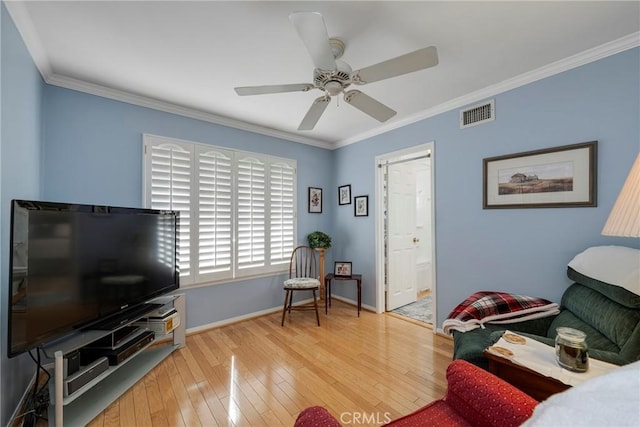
[478, 114]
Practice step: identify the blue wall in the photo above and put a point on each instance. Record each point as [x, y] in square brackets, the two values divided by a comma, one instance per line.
[20, 177]
[92, 154]
[514, 250]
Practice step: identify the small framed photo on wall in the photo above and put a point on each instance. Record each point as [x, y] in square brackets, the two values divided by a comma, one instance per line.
[342, 269]
[315, 200]
[361, 205]
[344, 195]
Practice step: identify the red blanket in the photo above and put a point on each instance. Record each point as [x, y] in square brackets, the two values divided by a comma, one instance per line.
[496, 307]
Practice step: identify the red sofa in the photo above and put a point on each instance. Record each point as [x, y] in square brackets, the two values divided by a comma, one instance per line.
[474, 398]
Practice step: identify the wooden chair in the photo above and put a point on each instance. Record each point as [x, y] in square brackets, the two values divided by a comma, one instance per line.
[303, 276]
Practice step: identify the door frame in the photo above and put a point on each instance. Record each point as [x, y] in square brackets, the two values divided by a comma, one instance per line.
[380, 160]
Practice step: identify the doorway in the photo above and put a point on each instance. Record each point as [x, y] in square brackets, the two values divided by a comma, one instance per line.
[405, 244]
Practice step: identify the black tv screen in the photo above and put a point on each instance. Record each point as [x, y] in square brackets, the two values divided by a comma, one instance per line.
[74, 265]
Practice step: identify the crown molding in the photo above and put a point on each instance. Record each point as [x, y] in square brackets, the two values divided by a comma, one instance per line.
[168, 107]
[29, 35]
[599, 52]
[23, 22]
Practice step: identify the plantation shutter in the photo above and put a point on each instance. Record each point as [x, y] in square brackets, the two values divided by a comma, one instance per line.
[170, 189]
[251, 212]
[282, 209]
[237, 209]
[214, 213]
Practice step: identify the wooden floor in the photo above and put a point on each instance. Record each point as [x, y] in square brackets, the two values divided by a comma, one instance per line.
[257, 373]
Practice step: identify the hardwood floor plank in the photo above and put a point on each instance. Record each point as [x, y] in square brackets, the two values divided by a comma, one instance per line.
[154, 395]
[272, 400]
[127, 409]
[198, 403]
[179, 388]
[218, 410]
[258, 373]
[141, 405]
[169, 401]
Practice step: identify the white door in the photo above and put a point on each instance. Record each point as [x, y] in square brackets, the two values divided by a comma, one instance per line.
[423, 225]
[401, 217]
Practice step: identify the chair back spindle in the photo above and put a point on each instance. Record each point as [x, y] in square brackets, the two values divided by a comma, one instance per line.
[303, 263]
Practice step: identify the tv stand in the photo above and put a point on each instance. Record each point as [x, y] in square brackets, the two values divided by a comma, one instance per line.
[84, 404]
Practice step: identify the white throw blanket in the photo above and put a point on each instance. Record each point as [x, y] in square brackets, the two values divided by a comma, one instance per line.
[612, 399]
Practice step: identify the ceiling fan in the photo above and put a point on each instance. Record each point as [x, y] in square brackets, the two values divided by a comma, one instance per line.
[333, 76]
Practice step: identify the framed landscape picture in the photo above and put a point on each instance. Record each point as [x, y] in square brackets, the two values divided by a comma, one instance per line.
[315, 200]
[555, 177]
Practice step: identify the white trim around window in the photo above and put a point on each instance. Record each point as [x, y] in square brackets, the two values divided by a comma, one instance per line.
[237, 209]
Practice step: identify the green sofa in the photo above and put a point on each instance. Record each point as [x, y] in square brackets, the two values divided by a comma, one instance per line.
[608, 314]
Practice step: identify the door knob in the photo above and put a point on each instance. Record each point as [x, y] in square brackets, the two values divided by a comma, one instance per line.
[416, 240]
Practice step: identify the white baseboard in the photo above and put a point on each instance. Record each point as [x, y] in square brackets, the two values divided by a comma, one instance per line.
[231, 320]
[237, 319]
[353, 303]
[260, 313]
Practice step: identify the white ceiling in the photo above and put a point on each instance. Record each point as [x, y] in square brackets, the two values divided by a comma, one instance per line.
[186, 57]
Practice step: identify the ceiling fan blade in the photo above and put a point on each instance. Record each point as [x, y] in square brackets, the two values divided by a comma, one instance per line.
[368, 105]
[313, 32]
[262, 90]
[404, 64]
[314, 113]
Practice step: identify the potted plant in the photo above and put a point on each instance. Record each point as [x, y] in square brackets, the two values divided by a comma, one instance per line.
[319, 240]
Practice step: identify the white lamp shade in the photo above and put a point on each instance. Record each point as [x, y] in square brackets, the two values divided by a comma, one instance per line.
[624, 219]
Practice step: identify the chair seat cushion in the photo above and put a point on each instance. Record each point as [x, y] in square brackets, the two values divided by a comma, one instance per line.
[302, 283]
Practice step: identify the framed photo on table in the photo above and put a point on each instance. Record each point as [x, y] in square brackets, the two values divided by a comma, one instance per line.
[344, 195]
[342, 269]
[315, 200]
[553, 177]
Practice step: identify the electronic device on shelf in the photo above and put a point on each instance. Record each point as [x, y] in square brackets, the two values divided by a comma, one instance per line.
[162, 321]
[76, 267]
[117, 338]
[121, 353]
[83, 376]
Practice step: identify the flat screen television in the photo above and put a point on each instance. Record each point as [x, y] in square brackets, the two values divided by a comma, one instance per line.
[73, 267]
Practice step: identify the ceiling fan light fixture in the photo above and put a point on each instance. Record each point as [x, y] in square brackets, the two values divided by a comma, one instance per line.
[333, 87]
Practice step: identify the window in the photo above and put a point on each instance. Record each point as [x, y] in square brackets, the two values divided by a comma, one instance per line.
[237, 209]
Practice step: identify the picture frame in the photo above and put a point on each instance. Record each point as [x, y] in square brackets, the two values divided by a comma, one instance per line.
[315, 200]
[342, 269]
[361, 206]
[344, 195]
[564, 176]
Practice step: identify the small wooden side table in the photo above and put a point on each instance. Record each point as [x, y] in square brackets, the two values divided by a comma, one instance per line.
[327, 282]
[531, 382]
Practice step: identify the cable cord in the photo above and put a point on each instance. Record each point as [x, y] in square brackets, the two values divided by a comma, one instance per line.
[37, 404]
